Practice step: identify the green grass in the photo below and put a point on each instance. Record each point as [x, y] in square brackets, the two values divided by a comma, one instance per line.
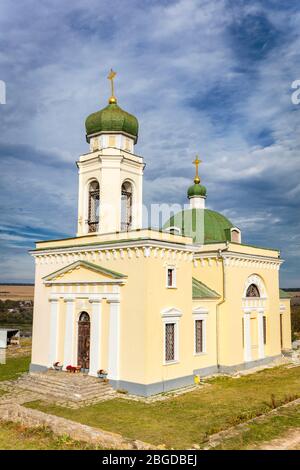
[190, 418]
[271, 427]
[17, 437]
[14, 367]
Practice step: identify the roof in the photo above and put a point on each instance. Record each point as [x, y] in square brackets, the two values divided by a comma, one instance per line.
[203, 225]
[112, 119]
[284, 295]
[201, 291]
[88, 265]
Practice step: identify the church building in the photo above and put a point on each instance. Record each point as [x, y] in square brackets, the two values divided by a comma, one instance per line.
[154, 308]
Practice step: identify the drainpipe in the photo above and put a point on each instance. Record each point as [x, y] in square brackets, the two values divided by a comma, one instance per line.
[221, 256]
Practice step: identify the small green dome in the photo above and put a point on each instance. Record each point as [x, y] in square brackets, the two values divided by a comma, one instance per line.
[112, 119]
[196, 190]
[203, 225]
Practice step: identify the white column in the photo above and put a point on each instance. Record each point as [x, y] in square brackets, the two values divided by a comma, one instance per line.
[53, 350]
[69, 346]
[95, 346]
[247, 337]
[260, 323]
[114, 340]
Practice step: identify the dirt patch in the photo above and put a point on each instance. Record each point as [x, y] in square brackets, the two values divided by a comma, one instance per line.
[290, 441]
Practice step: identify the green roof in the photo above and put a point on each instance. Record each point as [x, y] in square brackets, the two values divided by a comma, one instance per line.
[112, 119]
[203, 225]
[196, 190]
[284, 295]
[201, 291]
[86, 264]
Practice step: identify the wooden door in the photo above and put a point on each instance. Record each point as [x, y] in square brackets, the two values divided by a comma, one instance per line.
[84, 341]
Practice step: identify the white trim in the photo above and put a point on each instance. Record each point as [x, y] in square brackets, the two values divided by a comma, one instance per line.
[202, 317]
[95, 346]
[177, 229]
[70, 358]
[200, 310]
[171, 312]
[235, 229]
[174, 321]
[174, 276]
[54, 336]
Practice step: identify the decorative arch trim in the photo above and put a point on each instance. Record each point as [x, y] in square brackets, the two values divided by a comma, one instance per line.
[259, 283]
[171, 312]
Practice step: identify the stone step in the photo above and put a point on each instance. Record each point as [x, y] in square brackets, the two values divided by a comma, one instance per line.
[68, 396]
[63, 384]
[66, 388]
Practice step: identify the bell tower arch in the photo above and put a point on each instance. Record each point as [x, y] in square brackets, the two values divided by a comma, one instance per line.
[110, 174]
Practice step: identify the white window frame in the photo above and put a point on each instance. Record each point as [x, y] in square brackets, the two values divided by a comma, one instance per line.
[174, 277]
[171, 315]
[200, 314]
[175, 229]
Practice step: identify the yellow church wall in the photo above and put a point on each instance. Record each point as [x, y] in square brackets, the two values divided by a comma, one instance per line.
[285, 311]
[159, 298]
[132, 306]
[231, 315]
[142, 298]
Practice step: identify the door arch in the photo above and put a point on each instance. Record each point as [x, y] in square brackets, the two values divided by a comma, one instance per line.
[84, 333]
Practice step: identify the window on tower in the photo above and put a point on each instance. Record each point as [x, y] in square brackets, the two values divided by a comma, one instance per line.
[126, 206]
[93, 208]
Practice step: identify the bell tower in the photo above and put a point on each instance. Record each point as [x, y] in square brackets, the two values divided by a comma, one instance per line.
[110, 174]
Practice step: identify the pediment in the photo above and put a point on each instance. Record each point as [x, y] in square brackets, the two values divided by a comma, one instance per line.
[83, 271]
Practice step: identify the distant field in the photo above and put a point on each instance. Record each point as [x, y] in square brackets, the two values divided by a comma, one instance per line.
[16, 292]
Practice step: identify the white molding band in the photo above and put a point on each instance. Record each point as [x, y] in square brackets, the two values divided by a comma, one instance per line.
[171, 312]
[69, 343]
[53, 347]
[200, 311]
[95, 345]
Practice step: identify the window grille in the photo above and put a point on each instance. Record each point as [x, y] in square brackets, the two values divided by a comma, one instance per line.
[252, 291]
[126, 206]
[199, 336]
[93, 210]
[170, 342]
[170, 277]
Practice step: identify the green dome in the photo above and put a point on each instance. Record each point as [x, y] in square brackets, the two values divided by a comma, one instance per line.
[112, 119]
[196, 190]
[203, 225]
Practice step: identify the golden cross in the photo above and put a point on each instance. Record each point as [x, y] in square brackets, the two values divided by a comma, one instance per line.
[197, 162]
[111, 77]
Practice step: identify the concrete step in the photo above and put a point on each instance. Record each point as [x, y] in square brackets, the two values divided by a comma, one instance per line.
[67, 388]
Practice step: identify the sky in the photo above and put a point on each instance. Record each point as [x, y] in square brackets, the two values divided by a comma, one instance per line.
[212, 77]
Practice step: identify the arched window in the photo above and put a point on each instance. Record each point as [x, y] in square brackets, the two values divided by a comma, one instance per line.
[126, 206]
[84, 317]
[93, 208]
[252, 291]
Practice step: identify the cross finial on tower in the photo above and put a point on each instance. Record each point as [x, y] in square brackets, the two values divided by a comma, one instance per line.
[197, 162]
[111, 77]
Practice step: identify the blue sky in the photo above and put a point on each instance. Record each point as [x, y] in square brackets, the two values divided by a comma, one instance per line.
[209, 77]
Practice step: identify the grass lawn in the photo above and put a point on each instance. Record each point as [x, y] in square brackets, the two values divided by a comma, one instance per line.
[14, 367]
[17, 437]
[271, 427]
[190, 418]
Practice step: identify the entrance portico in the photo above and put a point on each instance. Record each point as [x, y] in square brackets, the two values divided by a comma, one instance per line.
[69, 299]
